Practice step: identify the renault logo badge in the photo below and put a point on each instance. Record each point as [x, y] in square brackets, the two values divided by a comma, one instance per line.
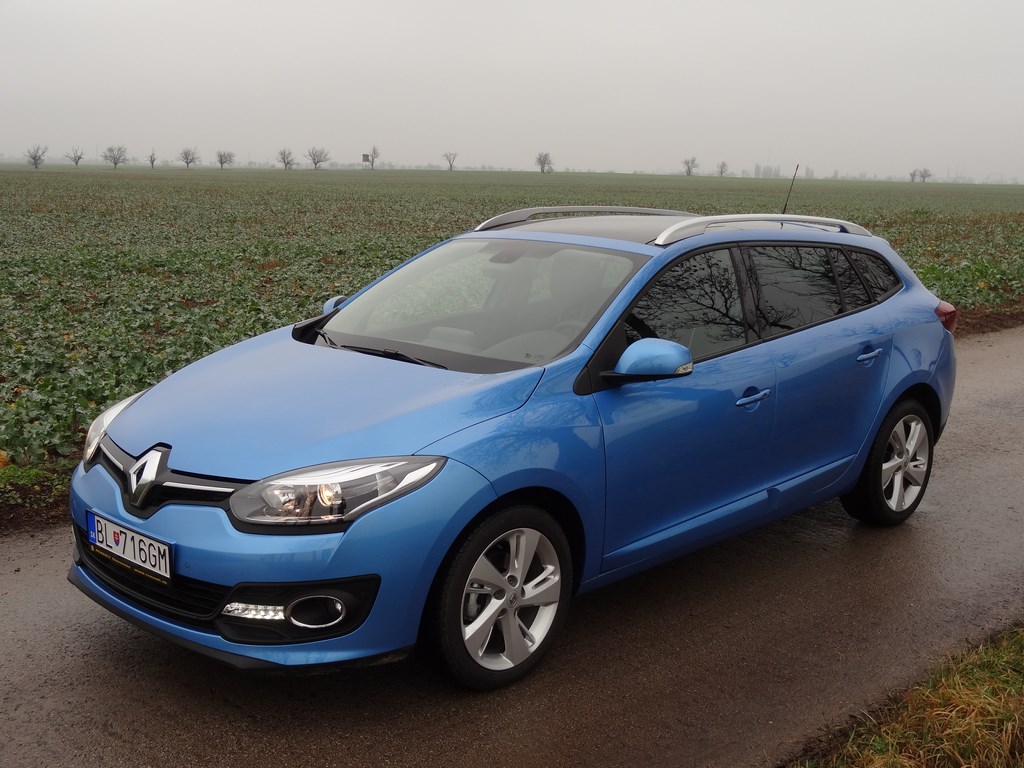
[142, 475]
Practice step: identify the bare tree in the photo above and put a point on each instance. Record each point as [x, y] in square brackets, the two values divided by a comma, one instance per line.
[925, 174]
[35, 155]
[115, 155]
[723, 168]
[75, 155]
[374, 154]
[690, 164]
[317, 155]
[914, 174]
[188, 156]
[286, 158]
[151, 158]
[450, 157]
[225, 157]
[544, 162]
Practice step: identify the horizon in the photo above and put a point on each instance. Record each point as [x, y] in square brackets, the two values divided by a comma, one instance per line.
[134, 163]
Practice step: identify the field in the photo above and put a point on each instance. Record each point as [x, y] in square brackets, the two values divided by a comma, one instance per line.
[111, 280]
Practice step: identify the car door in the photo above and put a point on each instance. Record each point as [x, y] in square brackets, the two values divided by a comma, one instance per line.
[831, 347]
[679, 449]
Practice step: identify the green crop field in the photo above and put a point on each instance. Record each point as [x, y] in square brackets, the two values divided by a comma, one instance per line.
[110, 280]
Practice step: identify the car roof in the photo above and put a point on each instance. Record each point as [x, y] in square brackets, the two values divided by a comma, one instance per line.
[654, 226]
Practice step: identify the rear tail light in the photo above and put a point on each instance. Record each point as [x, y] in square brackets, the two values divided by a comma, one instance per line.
[946, 313]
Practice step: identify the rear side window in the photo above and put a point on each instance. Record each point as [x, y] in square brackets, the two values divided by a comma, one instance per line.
[879, 276]
[855, 295]
[795, 286]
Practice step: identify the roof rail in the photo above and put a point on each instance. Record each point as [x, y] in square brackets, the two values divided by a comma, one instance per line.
[525, 214]
[700, 224]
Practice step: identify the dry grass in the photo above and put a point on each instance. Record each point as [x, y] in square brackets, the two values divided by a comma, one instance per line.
[970, 714]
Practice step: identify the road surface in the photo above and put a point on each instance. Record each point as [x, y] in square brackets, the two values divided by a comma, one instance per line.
[730, 657]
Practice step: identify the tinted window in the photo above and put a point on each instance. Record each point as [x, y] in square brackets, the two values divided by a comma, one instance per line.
[696, 302]
[855, 295]
[795, 286]
[877, 273]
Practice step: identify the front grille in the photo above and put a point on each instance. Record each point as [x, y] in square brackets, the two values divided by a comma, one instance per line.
[187, 600]
[169, 486]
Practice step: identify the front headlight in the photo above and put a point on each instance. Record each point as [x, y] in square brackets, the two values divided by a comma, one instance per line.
[332, 493]
[100, 424]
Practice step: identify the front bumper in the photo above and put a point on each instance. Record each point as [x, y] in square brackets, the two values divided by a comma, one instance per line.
[399, 546]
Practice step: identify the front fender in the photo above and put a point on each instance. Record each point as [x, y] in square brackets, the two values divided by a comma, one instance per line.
[554, 442]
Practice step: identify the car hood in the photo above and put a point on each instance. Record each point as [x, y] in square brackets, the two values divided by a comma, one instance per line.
[272, 404]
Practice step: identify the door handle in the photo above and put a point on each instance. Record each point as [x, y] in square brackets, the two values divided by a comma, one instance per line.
[743, 402]
[869, 356]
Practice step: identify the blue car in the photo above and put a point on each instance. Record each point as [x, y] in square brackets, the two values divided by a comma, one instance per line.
[551, 402]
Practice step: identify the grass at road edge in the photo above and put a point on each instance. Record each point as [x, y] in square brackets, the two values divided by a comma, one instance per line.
[968, 713]
[34, 496]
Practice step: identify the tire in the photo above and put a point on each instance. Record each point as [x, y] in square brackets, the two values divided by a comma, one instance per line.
[497, 614]
[897, 470]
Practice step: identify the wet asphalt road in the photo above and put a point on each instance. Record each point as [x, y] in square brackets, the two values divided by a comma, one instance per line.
[729, 657]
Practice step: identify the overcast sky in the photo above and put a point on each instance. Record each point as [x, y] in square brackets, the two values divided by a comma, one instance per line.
[874, 86]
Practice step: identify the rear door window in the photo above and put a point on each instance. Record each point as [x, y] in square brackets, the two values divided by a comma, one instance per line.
[795, 286]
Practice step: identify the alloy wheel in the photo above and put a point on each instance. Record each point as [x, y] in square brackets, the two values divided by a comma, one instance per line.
[510, 599]
[906, 462]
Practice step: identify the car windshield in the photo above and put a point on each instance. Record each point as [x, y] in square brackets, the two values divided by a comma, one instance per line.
[513, 303]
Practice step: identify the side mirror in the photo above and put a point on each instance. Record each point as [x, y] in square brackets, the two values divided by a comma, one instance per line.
[650, 360]
[333, 303]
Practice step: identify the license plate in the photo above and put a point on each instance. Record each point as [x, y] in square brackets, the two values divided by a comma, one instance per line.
[130, 549]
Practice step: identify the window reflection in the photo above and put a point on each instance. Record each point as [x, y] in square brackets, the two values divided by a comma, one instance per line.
[855, 295]
[877, 274]
[696, 303]
[796, 286]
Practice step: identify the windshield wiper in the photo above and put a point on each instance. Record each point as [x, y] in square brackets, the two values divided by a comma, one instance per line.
[326, 337]
[392, 354]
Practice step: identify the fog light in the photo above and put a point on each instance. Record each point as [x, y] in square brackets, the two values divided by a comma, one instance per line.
[316, 612]
[250, 611]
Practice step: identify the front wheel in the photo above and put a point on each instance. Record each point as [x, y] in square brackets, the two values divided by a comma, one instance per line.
[503, 597]
[899, 464]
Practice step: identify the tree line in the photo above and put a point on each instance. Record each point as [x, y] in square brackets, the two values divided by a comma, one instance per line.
[116, 155]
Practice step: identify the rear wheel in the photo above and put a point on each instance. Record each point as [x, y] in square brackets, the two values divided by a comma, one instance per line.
[899, 464]
[504, 597]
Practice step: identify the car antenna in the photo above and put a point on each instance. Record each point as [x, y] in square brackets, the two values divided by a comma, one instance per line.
[791, 183]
